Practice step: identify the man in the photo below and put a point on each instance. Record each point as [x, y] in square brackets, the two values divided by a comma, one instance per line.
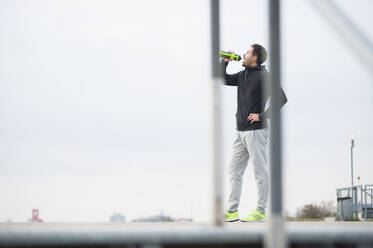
[252, 131]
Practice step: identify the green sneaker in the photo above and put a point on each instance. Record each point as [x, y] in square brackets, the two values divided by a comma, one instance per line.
[230, 217]
[254, 216]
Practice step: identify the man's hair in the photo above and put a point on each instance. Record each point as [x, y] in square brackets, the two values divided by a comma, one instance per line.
[260, 52]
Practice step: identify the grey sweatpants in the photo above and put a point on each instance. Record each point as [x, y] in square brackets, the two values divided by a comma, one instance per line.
[249, 145]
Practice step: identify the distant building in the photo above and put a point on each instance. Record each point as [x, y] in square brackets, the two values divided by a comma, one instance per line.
[35, 216]
[184, 220]
[117, 218]
[155, 218]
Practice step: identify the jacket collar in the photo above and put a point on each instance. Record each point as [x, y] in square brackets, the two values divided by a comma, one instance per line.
[253, 68]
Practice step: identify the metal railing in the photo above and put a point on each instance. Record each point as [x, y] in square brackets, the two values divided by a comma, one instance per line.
[360, 198]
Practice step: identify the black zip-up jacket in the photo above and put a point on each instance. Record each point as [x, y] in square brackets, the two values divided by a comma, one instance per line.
[250, 97]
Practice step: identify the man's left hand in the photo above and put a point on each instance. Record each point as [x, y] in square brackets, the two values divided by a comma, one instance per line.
[253, 118]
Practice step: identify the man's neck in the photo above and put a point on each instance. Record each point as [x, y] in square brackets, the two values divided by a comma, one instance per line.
[252, 65]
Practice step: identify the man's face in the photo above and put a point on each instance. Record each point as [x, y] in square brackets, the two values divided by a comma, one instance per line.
[248, 58]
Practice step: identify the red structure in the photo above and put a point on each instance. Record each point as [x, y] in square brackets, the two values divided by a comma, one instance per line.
[35, 216]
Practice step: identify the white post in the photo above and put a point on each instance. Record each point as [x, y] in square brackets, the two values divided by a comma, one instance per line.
[352, 160]
[275, 237]
[352, 176]
[216, 130]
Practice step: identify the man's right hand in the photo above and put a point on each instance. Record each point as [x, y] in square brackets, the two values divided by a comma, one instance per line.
[228, 60]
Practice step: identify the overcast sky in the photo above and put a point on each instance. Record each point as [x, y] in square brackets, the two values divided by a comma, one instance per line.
[104, 106]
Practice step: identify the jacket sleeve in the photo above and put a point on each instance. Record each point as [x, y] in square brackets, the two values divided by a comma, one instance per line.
[230, 79]
[283, 99]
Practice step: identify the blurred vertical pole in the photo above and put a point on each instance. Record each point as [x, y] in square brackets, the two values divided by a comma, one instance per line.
[216, 130]
[276, 233]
